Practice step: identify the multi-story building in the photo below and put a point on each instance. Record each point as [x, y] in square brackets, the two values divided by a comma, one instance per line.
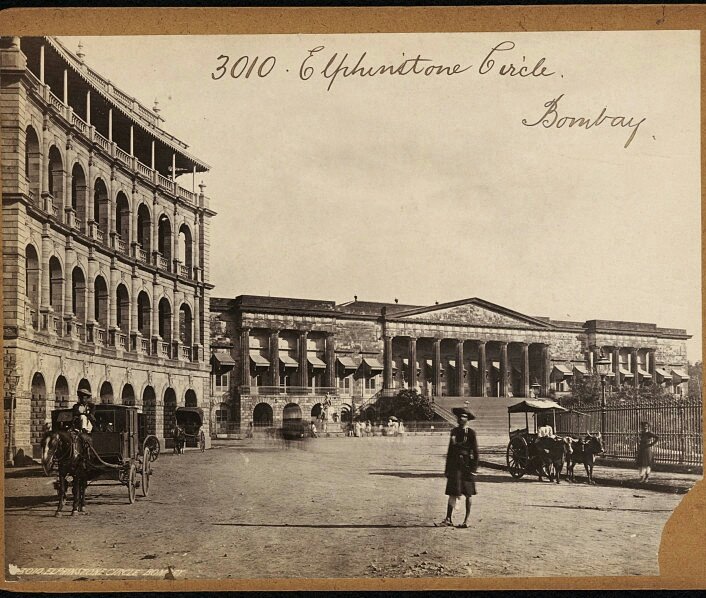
[279, 357]
[105, 253]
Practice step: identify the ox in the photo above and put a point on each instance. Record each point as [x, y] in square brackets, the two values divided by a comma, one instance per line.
[584, 451]
[550, 454]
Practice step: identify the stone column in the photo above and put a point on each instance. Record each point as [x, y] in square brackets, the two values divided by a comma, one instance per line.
[330, 360]
[652, 365]
[196, 319]
[616, 366]
[503, 370]
[525, 370]
[460, 390]
[112, 298]
[245, 356]
[135, 336]
[387, 382]
[69, 257]
[274, 358]
[437, 367]
[155, 317]
[482, 369]
[303, 361]
[635, 374]
[546, 370]
[412, 363]
[46, 251]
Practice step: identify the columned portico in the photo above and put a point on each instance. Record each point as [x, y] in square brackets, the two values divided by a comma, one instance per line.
[412, 371]
[303, 362]
[525, 369]
[330, 351]
[274, 358]
[460, 388]
[437, 366]
[482, 370]
[387, 363]
[503, 391]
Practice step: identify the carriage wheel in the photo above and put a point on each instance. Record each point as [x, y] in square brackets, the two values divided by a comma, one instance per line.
[517, 457]
[146, 472]
[131, 482]
[202, 441]
[152, 443]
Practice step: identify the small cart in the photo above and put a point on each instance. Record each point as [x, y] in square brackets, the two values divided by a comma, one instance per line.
[520, 455]
[190, 419]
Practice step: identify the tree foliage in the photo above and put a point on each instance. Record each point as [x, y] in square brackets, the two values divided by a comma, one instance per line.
[407, 405]
[696, 374]
[586, 389]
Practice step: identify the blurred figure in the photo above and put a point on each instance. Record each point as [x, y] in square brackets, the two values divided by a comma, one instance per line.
[368, 429]
[313, 430]
[646, 440]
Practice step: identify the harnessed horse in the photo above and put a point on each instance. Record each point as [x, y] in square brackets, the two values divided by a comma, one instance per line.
[179, 437]
[70, 451]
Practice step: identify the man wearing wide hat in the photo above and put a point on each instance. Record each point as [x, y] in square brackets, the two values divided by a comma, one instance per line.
[461, 465]
[83, 416]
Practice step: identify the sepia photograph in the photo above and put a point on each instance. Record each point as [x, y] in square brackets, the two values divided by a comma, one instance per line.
[371, 305]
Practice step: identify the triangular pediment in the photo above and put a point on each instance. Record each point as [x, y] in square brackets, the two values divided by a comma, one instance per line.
[472, 312]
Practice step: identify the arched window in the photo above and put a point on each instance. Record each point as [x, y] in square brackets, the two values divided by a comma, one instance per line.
[32, 285]
[32, 157]
[122, 218]
[164, 239]
[78, 294]
[79, 199]
[123, 309]
[144, 315]
[185, 325]
[165, 319]
[101, 208]
[185, 247]
[144, 228]
[101, 302]
[55, 166]
[56, 285]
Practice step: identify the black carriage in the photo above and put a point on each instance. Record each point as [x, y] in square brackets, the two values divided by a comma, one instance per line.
[521, 457]
[121, 449]
[190, 420]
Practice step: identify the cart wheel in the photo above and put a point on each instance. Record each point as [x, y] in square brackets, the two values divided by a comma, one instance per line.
[131, 482]
[517, 457]
[202, 441]
[146, 472]
[152, 443]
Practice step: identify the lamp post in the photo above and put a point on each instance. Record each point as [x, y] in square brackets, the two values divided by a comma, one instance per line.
[602, 367]
[12, 382]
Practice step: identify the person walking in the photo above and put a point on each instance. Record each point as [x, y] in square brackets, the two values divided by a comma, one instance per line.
[646, 440]
[461, 465]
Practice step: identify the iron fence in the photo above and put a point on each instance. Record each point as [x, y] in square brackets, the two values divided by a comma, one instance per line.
[677, 422]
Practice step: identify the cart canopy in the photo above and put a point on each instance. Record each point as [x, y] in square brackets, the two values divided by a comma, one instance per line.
[189, 416]
[535, 406]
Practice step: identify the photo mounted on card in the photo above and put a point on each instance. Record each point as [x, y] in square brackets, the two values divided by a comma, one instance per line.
[290, 304]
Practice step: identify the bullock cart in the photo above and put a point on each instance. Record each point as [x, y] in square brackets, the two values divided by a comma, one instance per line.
[522, 455]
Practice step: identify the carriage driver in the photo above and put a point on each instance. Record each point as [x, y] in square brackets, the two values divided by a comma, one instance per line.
[83, 416]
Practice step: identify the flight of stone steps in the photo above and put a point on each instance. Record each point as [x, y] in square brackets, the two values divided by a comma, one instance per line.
[490, 425]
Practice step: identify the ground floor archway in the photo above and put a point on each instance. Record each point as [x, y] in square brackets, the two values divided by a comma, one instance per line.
[262, 415]
[149, 408]
[128, 395]
[190, 399]
[61, 393]
[291, 411]
[39, 413]
[106, 393]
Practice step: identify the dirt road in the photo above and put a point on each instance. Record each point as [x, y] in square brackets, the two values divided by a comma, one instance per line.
[343, 507]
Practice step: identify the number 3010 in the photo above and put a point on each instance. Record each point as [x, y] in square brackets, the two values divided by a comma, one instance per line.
[244, 67]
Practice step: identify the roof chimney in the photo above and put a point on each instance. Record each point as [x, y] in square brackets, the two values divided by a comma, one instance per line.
[355, 297]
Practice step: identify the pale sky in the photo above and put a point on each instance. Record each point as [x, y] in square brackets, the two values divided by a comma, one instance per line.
[430, 188]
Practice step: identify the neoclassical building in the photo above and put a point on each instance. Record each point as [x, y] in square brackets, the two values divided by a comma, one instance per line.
[276, 357]
[105, 252]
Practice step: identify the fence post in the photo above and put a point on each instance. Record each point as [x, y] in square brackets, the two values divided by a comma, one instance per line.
[682, 434]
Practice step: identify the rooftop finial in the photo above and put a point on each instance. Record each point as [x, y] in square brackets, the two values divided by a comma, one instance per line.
[202, 186]
[80, 53]
[355, 297]
[397, 300]
[156, 107]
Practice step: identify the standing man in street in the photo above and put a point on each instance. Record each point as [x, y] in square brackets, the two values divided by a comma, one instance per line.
[461, 465]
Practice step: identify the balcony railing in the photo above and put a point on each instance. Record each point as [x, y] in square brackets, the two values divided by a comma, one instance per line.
[78, 122]
[289, 390]
[102, 141]
[184, 271]
[164, 349]
[122, 246]
[142, 169]
[123, 156]
[165, 182]
[186, 353]
[162, 262]
[55, 211]
[31, 317]
[56, 102]
[79, 331]
[56, 323]
[122, 341]
[187, 195]
[142, 255]
[100, 236]
[100, 336]
[145, 345]
[78, 224]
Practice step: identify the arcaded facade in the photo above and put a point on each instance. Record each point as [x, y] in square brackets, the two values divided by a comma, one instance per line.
[105, 252]
[274, 357]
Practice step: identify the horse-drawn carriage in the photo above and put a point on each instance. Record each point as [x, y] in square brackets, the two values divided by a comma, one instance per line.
[187, 431]
[526, 452]
[119, 449]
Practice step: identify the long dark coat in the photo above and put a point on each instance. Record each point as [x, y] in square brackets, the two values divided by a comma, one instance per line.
[645, 443]
[461, 462]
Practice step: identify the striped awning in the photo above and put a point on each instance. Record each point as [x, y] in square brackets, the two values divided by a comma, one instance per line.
[287, 361]
[373, 364]
[316, 363]
[626, 372]
[452, 364]
[406, 364]
[679, 373]
[581, 369]
[561, 371]
[347, 363]
[664, 374]
[259, 361]
[644, 373]
[223, 361]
